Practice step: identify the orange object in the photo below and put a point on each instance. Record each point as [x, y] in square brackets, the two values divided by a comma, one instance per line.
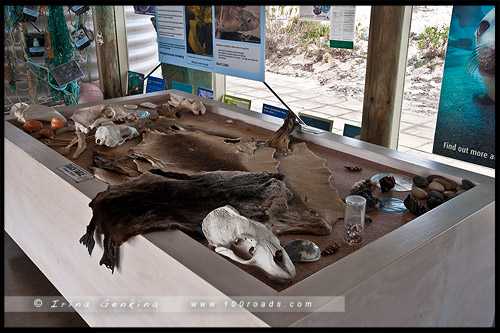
[32, 126]
[47, 133]
[56, 124]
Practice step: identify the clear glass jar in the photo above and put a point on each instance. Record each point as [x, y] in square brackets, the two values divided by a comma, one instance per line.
[354, 219]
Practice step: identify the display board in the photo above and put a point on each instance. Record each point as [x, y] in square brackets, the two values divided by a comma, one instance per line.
[342, 26]
[465, 127]
[226, 40]
[314, 13]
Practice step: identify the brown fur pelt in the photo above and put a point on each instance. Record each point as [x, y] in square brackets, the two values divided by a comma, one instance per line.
[161, 200]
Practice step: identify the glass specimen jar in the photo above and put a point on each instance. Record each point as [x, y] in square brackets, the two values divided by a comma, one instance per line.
[354, 219]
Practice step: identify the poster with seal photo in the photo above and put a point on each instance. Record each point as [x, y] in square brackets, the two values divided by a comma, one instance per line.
[226, 40]
[465, 127]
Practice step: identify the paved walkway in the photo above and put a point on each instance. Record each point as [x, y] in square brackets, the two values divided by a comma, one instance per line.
[304, 95]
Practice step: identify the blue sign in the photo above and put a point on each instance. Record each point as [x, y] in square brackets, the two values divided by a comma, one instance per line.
[182, 87]
[317, 122]
[207, 93]
[351, 130]
[274, 111]
[155, 84]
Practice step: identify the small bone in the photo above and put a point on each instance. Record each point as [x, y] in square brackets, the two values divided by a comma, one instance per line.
[65, 150]
[82, 144]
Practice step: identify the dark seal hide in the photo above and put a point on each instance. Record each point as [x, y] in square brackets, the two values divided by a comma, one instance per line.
[161, 200]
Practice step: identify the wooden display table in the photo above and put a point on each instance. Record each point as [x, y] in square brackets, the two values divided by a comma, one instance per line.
[436, 270]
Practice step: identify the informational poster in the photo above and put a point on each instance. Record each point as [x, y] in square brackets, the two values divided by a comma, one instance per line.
[317, 122]
[204, 92]
[465, 127]
[226, 40]
[342, 26]
[238, 101]
[274, 111]
[155, 84]
[314, 13]
[133, 80]
[182, 87]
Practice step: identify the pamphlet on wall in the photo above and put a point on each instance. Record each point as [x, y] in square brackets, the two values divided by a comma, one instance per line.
[465, 127]
[342, 26]
[314, 13]
[226, 40]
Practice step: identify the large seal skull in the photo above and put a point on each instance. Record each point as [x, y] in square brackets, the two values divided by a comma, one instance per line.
[247, 242]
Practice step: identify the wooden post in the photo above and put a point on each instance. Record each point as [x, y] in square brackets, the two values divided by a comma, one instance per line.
[384, 45]
[107, 51]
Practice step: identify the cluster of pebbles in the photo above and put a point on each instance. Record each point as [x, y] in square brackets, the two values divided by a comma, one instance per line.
[437, 189]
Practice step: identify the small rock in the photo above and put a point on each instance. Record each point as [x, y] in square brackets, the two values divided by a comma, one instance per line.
[430, 178]
[415, 207]
[444, 182]
[434, 198]
[467, 184]
[420, 181]
[460, 187]
[452, 183]
[387, 183]
[447, 194]
[451, 196]
[230, 121]
[460, 191]
[436, 186]
[418, 192]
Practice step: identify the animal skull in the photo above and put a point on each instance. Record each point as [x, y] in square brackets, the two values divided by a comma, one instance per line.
[89, 118]
[247, 242]
[115, 135]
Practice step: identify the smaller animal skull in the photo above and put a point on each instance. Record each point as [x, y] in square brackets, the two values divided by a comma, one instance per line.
[115, 135]
[247, 242]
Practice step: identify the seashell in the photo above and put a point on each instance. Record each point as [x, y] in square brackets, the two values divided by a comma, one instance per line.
[386, 183]
[420, 181]
[302, 250]
[447, 186]
[415, 207]
[467, 184]
[32, 126]
[436, 186]
[148, 105]
[47, 133]
[434, 198]
[418, 192]
[56, 124]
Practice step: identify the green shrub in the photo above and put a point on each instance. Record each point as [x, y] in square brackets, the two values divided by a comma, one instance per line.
[432, 42]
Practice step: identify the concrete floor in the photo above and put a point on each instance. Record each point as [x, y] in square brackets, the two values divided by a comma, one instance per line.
[23, 278]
